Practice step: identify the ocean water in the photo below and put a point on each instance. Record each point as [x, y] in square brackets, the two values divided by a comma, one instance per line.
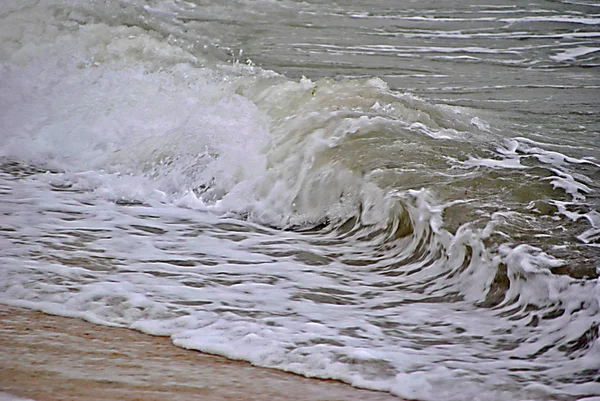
[404, 196]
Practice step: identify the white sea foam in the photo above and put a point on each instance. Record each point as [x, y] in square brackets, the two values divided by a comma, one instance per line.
[574, 53]
[296, 224]
[570, 19]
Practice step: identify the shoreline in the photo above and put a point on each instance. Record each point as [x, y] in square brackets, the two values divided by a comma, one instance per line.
[49, 358]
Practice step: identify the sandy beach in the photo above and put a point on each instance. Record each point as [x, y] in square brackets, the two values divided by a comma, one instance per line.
[46, 358]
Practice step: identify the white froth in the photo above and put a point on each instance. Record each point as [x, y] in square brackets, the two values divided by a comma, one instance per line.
[171, 177]
[574, 53]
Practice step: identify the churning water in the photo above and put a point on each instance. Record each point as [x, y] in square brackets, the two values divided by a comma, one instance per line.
[401, 195]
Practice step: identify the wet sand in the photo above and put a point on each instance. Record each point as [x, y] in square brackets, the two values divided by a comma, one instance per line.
[47, 358]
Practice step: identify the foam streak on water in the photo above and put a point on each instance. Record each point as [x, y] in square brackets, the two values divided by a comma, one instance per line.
[329, 226]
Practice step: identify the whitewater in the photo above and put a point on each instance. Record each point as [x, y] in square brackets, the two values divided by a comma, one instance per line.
[405, 199]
